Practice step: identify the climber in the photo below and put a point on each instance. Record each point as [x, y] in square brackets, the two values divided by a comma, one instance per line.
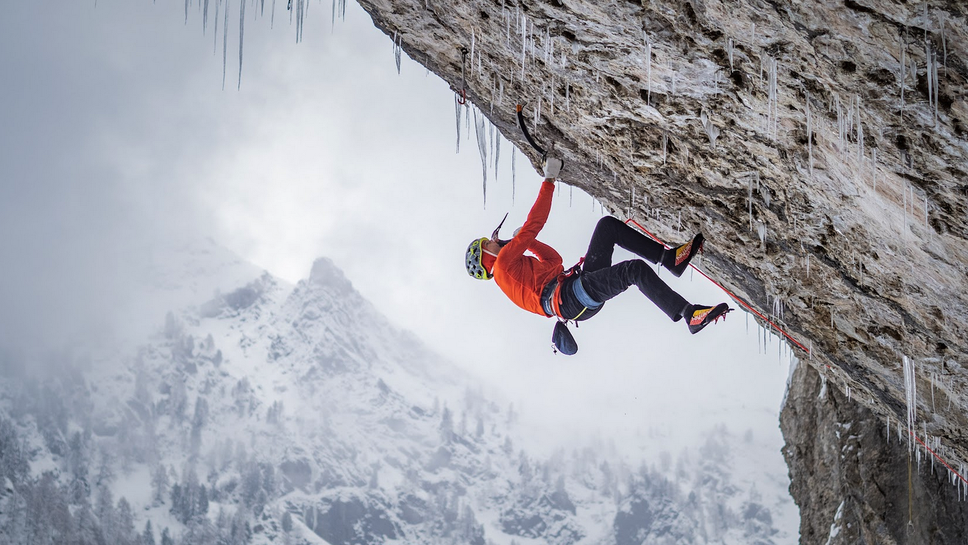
[540, 285]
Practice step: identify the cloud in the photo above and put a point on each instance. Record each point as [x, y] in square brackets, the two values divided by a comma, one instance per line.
[80, 157]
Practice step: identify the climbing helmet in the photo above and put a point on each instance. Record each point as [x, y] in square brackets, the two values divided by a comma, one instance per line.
[475, 253]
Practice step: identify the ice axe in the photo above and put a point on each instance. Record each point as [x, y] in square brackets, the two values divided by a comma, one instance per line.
[497, 231]
[527, 136]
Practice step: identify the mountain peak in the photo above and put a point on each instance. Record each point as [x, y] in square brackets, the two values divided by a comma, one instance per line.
[326, 273]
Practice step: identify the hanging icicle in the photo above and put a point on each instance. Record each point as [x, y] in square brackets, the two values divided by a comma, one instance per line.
[482, 147]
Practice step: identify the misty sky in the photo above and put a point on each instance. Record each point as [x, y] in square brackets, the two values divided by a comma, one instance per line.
[116, 135]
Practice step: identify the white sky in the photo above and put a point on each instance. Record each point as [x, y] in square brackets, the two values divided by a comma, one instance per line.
[115, 131]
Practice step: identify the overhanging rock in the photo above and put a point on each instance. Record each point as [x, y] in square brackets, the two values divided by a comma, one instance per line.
[820, 146]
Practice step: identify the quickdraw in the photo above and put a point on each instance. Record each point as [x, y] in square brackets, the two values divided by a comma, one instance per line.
[462, 92]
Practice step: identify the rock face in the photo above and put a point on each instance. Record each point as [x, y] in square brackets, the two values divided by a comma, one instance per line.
[858, 484]
[820, 146]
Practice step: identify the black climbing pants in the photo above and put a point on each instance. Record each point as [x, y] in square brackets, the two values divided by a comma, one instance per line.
[601, 280]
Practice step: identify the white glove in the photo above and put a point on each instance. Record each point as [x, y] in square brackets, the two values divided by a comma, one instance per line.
[552, 167]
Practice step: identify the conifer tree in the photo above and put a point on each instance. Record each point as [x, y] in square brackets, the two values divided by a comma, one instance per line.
[148, 536]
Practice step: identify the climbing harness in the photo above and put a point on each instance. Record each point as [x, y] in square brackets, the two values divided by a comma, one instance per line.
[562, 339]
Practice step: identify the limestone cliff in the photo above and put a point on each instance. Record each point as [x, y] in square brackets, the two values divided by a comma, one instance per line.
[820, 146]
[857, 480]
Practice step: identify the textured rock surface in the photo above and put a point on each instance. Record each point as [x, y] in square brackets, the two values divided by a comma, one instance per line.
[858, 485]
[810, 141]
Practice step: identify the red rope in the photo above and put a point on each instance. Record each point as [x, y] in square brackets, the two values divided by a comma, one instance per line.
[935, 454]
[729, 293]
[785, 334]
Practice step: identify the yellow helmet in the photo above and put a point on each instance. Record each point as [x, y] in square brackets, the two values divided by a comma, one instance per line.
[473, 257]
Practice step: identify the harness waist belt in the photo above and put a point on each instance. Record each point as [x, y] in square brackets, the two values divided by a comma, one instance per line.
[546, 294]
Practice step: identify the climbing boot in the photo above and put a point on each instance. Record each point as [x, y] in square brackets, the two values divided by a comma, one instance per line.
[676, 260]
[698, 317]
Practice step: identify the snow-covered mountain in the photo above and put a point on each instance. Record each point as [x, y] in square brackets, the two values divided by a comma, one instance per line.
[260, 412]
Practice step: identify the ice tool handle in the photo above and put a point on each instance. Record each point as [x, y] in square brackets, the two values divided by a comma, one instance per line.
[527, 135]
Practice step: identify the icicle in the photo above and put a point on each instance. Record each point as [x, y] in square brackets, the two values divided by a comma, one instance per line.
[628, 212]
[225, 43]
[841, 126]
[398, 50]
[514, 154]
[457, 118]
[497, 154]
[927, 72]
[215, 34]
[490, 138]
[241, 36]
[874, 168]
[482, 147]
[904, 202]
[729, 52]
[944, 44]
[473, 43]
[903, 67]
[648, 72]
[774, 103]
[204, 17]
[507, 27]
[809, 134]
[552, 113]
[567, 98]
[300, 18]
[532, 41]
[860, 138]
[524, 43]
[911, 396]
[665, 140]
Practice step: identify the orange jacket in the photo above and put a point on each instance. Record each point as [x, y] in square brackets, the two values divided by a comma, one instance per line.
[522, 277]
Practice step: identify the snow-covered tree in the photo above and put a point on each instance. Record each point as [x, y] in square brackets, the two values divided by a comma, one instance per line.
[125, 522]
[159, 484]
[148, 535]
